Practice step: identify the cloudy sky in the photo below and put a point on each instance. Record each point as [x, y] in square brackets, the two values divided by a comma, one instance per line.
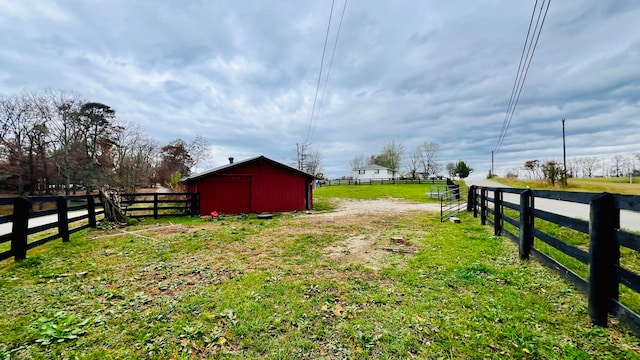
[244, 74]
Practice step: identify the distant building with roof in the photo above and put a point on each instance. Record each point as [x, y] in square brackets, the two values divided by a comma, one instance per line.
[374, 172]
[253, 185]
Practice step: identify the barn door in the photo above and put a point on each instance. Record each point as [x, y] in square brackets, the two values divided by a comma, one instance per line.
[230, 194]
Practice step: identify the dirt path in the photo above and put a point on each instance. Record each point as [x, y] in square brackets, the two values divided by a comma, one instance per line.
[386, 205]
[372, 244]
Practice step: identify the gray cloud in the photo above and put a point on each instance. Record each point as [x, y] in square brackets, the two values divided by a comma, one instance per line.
[243, 74]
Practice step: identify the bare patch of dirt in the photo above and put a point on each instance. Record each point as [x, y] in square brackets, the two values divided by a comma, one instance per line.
[372, 249]
[379, 206]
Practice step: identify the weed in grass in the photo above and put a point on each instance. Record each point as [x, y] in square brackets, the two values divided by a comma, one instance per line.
[474, 274]
[59, 328]
[30, 262]
[106, 225]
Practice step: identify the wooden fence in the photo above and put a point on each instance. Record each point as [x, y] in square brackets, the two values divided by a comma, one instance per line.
[160, 204]
[382, 182]
[605, 272]
[82, 207]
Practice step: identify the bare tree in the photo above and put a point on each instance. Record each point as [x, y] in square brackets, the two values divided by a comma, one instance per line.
[573, 168]
[413, 162]
[628, 166]
[617, 163]
[578, 167]
[513, 173]
[134, 159]
[590, 164]
[313, 164]
[59, 109]
[198, 149]
[451, 169]
[358, 161]
[15, 122]
[392, 153]
[429, 158]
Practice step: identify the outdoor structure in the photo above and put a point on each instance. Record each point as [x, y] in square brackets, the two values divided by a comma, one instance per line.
[373, 172]
[252, 186]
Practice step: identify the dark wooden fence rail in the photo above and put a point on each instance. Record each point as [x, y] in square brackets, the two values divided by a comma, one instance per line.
[605, 273]
[23, 211]
[160, 204]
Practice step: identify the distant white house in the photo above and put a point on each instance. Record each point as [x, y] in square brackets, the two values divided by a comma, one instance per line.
[373, 172]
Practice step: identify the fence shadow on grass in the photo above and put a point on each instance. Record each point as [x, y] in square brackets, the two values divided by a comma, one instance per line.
[596, 256]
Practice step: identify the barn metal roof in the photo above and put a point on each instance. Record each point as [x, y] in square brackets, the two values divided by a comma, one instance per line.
[242, 162]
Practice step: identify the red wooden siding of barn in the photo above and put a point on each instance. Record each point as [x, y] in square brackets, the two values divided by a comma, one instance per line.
[255, 186]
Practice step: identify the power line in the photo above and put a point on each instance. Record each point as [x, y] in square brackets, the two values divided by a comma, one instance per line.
[520, 77]
[326, 80]
[523, 70]
[515, 81]
[324, 49]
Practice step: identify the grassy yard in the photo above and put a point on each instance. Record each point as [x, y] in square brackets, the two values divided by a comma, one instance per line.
[415, 192]
[296, 287]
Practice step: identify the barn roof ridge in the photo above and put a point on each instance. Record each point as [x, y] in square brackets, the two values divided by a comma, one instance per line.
[241, 162]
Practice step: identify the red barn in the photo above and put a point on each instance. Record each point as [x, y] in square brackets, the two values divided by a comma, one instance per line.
[252, 186]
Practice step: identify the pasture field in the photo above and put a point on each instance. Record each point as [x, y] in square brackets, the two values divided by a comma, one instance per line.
[392, 285]
[619, 185]
[415, 192]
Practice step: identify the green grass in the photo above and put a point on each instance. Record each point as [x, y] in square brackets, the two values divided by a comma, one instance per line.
[629, 259]
[618, 185]
[248, 288]
[415, 192]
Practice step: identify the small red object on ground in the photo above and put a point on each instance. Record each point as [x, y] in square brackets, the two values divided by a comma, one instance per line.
[214, 214]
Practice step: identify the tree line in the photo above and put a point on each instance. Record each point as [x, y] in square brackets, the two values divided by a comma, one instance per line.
[55, 141]
[422, 162]
[580, 167]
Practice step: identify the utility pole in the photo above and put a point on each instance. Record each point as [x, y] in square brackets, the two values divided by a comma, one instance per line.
[564, 155]
[491, 172]
[301, 155]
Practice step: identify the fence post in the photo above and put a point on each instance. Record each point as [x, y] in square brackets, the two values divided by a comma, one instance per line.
[155, 206]
[526, 224]
[483, 206]
[195, 204]
[470, 193]
[91, 211]
[63, 218]
[604, 218]
[475, 203]
[497, 212]
[21, 208]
